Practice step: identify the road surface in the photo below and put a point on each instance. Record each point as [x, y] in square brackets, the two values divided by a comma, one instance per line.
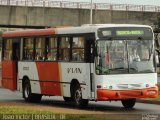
[101, 107]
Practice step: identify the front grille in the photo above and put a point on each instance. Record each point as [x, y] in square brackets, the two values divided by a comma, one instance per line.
[130, 93]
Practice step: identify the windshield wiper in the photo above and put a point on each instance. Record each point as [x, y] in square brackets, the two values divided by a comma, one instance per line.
[146, 71]
[132, 69]
[120, 68]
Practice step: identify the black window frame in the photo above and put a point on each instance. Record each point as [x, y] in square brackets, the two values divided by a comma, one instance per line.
[47, 49]
[58, 47]
[23, 56]
[3, 50]
[47, 37]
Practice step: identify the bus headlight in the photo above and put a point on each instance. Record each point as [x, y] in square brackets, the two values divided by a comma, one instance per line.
[147, 85]
[110, 87]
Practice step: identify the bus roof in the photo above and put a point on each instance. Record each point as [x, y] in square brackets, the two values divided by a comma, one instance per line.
[65, 30]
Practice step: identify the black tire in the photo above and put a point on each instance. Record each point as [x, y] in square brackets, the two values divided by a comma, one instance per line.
[67, 99]
[128, 103]
[28, 95]
[77, 97]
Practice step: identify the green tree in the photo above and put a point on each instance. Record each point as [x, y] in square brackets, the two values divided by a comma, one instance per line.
[157, 36]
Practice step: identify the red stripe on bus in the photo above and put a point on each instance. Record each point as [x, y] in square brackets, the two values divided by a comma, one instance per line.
[9, 75]
[49, 71]
[103, 94]
[29, 33]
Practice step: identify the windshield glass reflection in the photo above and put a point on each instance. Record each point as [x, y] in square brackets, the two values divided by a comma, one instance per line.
[124, 56]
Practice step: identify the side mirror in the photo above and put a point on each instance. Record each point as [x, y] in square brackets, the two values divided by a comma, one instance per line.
[157, 60]
[95, 51]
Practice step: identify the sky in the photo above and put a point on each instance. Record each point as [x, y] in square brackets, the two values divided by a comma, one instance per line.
[136, 2]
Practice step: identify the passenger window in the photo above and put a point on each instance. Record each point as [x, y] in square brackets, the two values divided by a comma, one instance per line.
[52, 49]
[7, 49]
[28, 49]
[78, 49]
[40, 49]
[64, 49]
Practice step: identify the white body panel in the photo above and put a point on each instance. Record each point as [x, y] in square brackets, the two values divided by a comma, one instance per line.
[68, 72]
[92, 28]
[81, 72]
[29, 69]
[78, 71]
[126, 81]
[118, 82]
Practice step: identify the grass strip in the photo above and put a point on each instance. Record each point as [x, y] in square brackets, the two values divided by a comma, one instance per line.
[18, 113]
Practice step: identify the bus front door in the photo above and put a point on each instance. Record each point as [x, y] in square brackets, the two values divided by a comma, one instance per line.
[9, 64]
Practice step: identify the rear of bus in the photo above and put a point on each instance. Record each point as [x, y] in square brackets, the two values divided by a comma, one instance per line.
[119, 76]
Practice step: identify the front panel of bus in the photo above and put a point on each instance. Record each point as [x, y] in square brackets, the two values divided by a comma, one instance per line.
[125, 64]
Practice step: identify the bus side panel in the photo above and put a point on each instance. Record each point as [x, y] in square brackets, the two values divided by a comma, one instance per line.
[29, 69]
[9, 75]
[48, 73]
[78, 71]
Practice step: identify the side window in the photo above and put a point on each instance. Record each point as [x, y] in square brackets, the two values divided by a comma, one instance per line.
[28, 49]
[78, 49]
[64, 49]
[52, 49]
[40, 49]
[7, 49]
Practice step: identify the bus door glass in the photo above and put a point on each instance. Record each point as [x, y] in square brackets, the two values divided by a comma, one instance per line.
[11, 55]
[90, 58]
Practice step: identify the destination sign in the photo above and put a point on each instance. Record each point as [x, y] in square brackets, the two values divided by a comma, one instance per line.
[129, 32]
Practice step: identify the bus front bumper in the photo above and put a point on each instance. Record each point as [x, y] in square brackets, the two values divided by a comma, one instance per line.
[105, 94]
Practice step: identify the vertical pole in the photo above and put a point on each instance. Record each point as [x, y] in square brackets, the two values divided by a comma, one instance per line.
[91, 9]
[8, 2]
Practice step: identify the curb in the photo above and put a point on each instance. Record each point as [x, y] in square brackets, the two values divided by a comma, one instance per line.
[148, 101]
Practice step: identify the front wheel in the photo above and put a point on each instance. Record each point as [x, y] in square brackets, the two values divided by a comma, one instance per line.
[77, 97]
[128, 103]
[28, 95]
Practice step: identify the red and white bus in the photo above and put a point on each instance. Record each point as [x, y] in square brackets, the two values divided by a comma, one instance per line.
[102, 62]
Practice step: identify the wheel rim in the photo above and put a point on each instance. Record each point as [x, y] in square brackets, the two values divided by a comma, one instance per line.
[26, 91]
[78, 96]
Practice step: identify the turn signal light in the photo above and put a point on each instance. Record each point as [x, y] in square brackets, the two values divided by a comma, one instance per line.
[151, 92]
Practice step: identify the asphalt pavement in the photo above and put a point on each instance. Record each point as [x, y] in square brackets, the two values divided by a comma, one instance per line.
[101, 106]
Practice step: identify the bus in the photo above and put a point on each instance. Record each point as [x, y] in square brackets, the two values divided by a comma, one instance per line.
[0, 50]
[99, 62]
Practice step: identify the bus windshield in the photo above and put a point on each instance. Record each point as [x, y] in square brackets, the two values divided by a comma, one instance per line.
[125, 56]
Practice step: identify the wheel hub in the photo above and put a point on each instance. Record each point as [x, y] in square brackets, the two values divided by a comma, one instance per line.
[26, 91]
[78, 96]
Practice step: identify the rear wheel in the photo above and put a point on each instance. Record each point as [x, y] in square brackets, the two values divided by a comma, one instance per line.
[129, 103]
[28, 95]
[77, 97]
